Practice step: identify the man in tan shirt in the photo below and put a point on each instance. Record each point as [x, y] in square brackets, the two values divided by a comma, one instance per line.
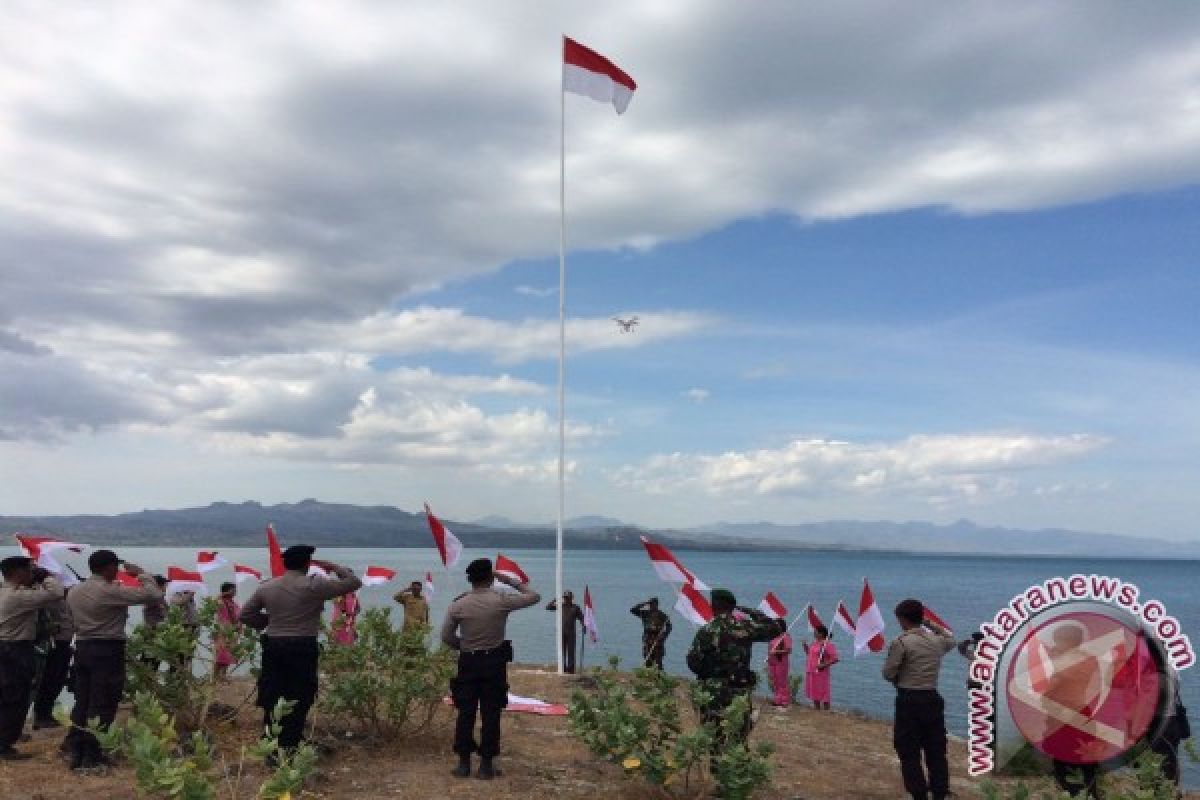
[100, 609]
[474, 626]
[25, 592]
[289, 609]
[416, 608]
[913, 662]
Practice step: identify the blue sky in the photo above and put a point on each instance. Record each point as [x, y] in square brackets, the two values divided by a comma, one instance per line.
[888, 265]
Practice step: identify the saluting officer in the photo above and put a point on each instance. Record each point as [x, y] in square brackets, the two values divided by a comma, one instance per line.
[25, 592]
[656, 627]
[100, 608]
[474, 627]
[289, 609]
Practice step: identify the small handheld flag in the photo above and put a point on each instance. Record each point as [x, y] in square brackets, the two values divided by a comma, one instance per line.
[506, 566]
[931, 616]
[868, 629]
[275, 553]
[589, 616]
[377, 576]
[182, 580]
[842, 617]
[448, 545]
[772, 607]
[814, 621]
[241, 574]
[428, 585]
[207, 561]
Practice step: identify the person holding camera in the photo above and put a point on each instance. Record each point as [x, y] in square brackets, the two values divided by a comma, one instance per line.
[26, 591]
[475, 626]
[100, 608]
[720, 657]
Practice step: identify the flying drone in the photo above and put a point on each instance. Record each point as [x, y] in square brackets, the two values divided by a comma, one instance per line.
[626, 325]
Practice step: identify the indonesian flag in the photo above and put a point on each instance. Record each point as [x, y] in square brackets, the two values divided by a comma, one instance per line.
[276, 555]
[771, 606]
[40, 549]
[181, 580]
[814, 621]
[377, 576]
[428, 585]
[588, 73]
[448, 545]
[317, 569]
[667, 566]
[589, 616]
[868, 630]
[936, 620]
[843, 619]
[693, 606]
[208, 561]
[241, 574]
[127, 580]
[506, 566]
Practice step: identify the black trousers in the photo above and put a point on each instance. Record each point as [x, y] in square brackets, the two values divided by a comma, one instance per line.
[17, 669]
[54, 678]
[920, 730]
[1077, 780]
[99, 682]
[481, 686]
[289, 672]
[568, 651]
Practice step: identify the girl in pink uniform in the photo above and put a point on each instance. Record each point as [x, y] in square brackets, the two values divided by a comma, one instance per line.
[345, 615]
[779, 659]
[227, 614]
[822, 654]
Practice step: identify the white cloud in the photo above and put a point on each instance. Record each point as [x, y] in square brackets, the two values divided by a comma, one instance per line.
[535, 291]
[696, 395]
[940, 468]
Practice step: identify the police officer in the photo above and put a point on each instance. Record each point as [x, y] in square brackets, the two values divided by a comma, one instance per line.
[572, 616]
[58, 665]
[720, 657]
[913, 662]
[100, 608]
[656, 627]
[474, 626]
[26, 591]
[416, 607]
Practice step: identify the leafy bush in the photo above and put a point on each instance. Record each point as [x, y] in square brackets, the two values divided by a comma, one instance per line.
[187, 769]
[1145, 781]
[387, 682]
[638, 723]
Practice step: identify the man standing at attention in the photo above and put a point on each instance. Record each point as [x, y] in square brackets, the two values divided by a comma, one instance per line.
[26, 591]
[656, 627]
[572, 616]
[416, 608]
[913, 662]
[100, 608]
[289, 609]
[474, 627]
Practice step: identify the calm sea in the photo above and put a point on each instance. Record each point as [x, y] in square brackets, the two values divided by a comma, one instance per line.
[964, 590]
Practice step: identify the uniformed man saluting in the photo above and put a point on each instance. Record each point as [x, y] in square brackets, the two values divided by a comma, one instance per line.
[656, 627]
[100, 608]
[289, 609]
[25, 592]
[474, 627]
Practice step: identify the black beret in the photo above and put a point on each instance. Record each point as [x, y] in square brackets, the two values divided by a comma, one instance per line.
[14, 563]
[479, 569]
[100, 559]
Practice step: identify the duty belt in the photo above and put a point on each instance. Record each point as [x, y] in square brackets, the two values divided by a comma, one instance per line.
[489, 651]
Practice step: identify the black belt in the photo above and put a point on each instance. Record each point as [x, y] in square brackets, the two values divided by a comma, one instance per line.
[918, 692]
[15, 644]
[488, 652]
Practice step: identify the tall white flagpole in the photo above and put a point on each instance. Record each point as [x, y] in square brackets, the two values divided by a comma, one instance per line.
[562, 353]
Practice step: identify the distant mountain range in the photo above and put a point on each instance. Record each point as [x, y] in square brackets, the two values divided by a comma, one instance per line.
[341, 525]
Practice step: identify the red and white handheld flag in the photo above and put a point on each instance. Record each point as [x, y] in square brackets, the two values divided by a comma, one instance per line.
[693, 606]
[377, 576]
[588, 73]
[182, 580]
[771, 606]
[448, 545]
[207, 561]
[932, 616]
[668, 567]
[241, 574]
[842, 617]
[40, 550]
[506, 566]
[814, 621]
[868, 629]
[428, 585]
[589, 616]
[317, 570]
[127, 580]
[275, 553]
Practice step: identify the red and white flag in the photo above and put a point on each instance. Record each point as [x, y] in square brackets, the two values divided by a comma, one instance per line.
[377, 576]
[693, 606]
[448, 545]
[428, 585]
[589, 616]
[182, 580]
[668, 567]
[316, 570]
[208, 560]
[588, 73]
[932, 616]
[506, 566]
[275, 553]
[127, 580]
[868, 630]
[844, 620]
[814, 621]
[41, 548]
[771, 606]
[241, 574]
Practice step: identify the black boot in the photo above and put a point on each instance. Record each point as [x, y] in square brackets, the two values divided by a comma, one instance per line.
[463, 770]
[486, 770]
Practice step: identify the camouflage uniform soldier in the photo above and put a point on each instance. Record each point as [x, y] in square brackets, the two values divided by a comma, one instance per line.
[720, 658]
[656, 627]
